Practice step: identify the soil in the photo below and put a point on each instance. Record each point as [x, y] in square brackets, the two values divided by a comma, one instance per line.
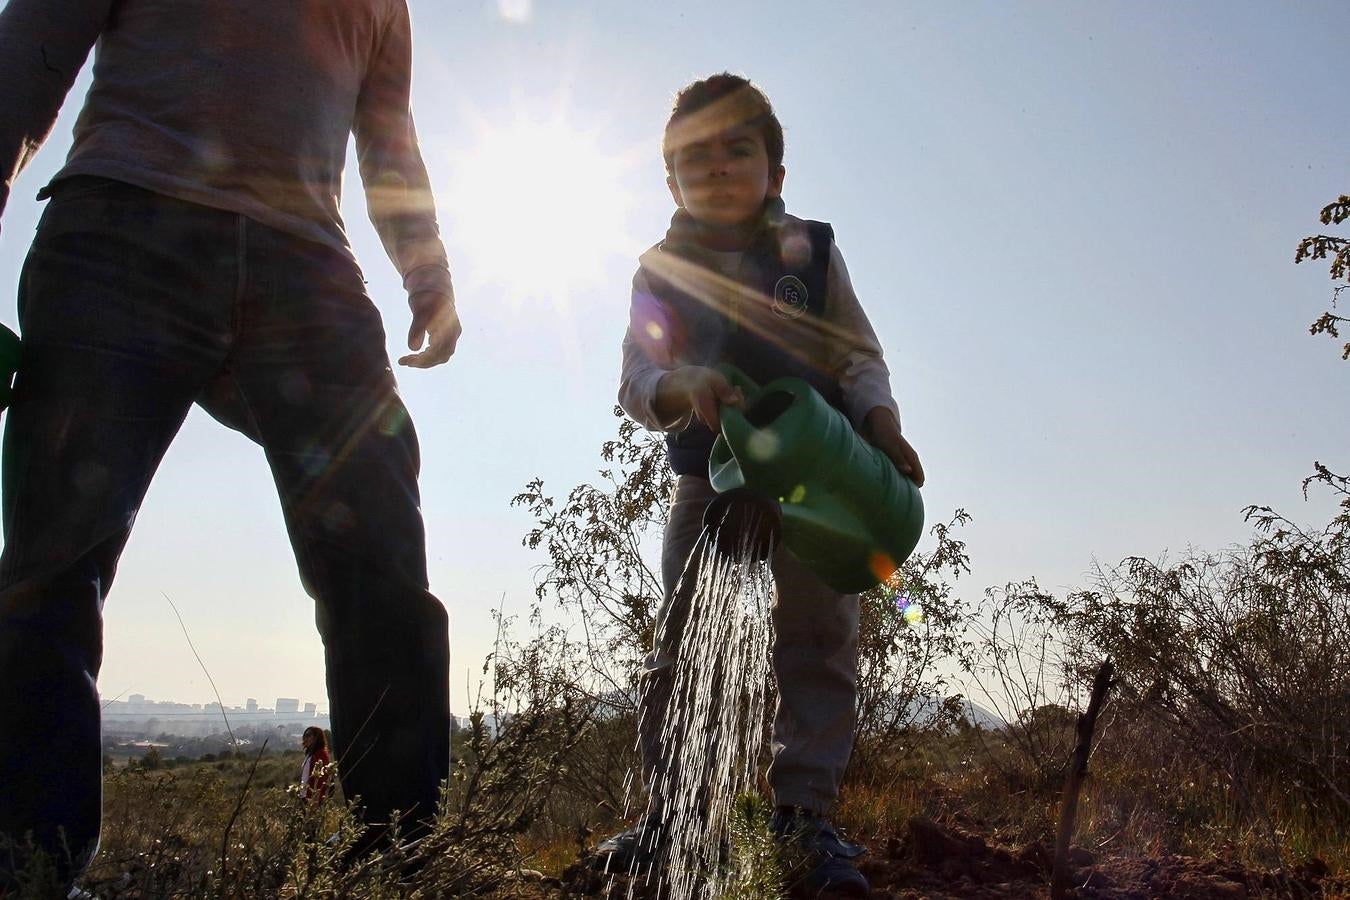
[934, 861]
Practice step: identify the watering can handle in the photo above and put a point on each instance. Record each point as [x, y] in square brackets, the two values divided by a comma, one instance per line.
[724, 469]
[738, 379]
[734, 424]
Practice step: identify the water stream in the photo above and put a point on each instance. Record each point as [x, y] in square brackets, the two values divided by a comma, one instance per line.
[714, 726]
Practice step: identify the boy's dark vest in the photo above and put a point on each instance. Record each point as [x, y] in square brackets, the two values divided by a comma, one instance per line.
[781, 273]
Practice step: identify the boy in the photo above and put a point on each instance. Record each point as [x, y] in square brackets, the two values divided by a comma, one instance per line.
[738, 280]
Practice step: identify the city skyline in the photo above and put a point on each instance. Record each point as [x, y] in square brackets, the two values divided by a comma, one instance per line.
[251, 704]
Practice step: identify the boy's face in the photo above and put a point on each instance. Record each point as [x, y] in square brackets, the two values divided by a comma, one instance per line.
[724, 178]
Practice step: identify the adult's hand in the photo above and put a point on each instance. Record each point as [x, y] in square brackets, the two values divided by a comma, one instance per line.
[696, 389]
[883, 431]
[435, 323]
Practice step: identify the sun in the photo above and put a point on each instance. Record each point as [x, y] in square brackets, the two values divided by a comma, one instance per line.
[537, 209]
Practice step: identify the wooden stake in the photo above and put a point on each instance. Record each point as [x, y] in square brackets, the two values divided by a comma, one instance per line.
[1068, 812]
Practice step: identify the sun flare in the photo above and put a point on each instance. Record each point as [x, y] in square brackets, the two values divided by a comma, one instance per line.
[538, 210]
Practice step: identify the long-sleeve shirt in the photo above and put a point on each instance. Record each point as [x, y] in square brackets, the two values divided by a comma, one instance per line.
[243, 105]
[852, 351]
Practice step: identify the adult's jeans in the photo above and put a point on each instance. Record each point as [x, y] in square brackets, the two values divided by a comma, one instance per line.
[133, 306]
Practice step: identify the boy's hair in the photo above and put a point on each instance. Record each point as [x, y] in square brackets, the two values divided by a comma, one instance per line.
[714, 103]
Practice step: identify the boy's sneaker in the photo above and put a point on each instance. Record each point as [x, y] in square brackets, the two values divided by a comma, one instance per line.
[821, 861]
[633, 851]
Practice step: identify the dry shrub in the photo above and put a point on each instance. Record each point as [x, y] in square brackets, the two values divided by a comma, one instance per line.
[598, 540]
[592, 623]
[912, 637]
[1242, 656]
[1230, 724]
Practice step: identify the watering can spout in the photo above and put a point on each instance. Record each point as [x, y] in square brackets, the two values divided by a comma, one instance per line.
[743, 524]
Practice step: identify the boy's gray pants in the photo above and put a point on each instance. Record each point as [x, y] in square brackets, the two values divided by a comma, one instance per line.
[815, 657]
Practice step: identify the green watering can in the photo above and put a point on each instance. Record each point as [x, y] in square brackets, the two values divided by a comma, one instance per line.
[793, 464]
[9, 364]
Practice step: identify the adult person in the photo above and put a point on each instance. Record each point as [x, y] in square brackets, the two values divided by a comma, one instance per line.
[192, 251]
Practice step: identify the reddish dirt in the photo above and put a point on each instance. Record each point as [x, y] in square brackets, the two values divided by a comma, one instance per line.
[935, 862]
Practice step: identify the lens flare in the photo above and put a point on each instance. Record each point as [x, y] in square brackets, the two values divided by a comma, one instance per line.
[908, 608]
[763, 446]
[882, 566]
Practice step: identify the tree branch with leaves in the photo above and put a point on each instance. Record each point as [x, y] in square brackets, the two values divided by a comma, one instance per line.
[1337, 249]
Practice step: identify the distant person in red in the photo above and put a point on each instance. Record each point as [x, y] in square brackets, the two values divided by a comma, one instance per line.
[314, 770]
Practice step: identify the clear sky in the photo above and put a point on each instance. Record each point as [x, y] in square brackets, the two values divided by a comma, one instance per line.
[1072, 224]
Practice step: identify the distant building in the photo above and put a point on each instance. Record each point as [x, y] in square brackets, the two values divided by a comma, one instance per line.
[288, 705]
[124, 720]
[251, 705]
[136, 698]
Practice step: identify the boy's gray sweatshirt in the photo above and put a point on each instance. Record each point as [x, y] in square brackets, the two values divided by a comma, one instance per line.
[240, 105]
[853, 353]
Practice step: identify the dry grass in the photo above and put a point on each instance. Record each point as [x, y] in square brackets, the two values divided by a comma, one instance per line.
[1142, 798]
[165, 830]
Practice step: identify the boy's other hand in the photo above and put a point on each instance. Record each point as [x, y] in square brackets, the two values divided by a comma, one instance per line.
[435, 321]
[696, 389]
[883, 431]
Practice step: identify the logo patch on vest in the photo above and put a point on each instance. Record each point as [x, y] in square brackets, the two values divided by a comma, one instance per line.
[789, 297]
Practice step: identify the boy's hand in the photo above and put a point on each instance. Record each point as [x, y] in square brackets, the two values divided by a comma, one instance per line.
[697, 389]
[883, 431]
[435, 320]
